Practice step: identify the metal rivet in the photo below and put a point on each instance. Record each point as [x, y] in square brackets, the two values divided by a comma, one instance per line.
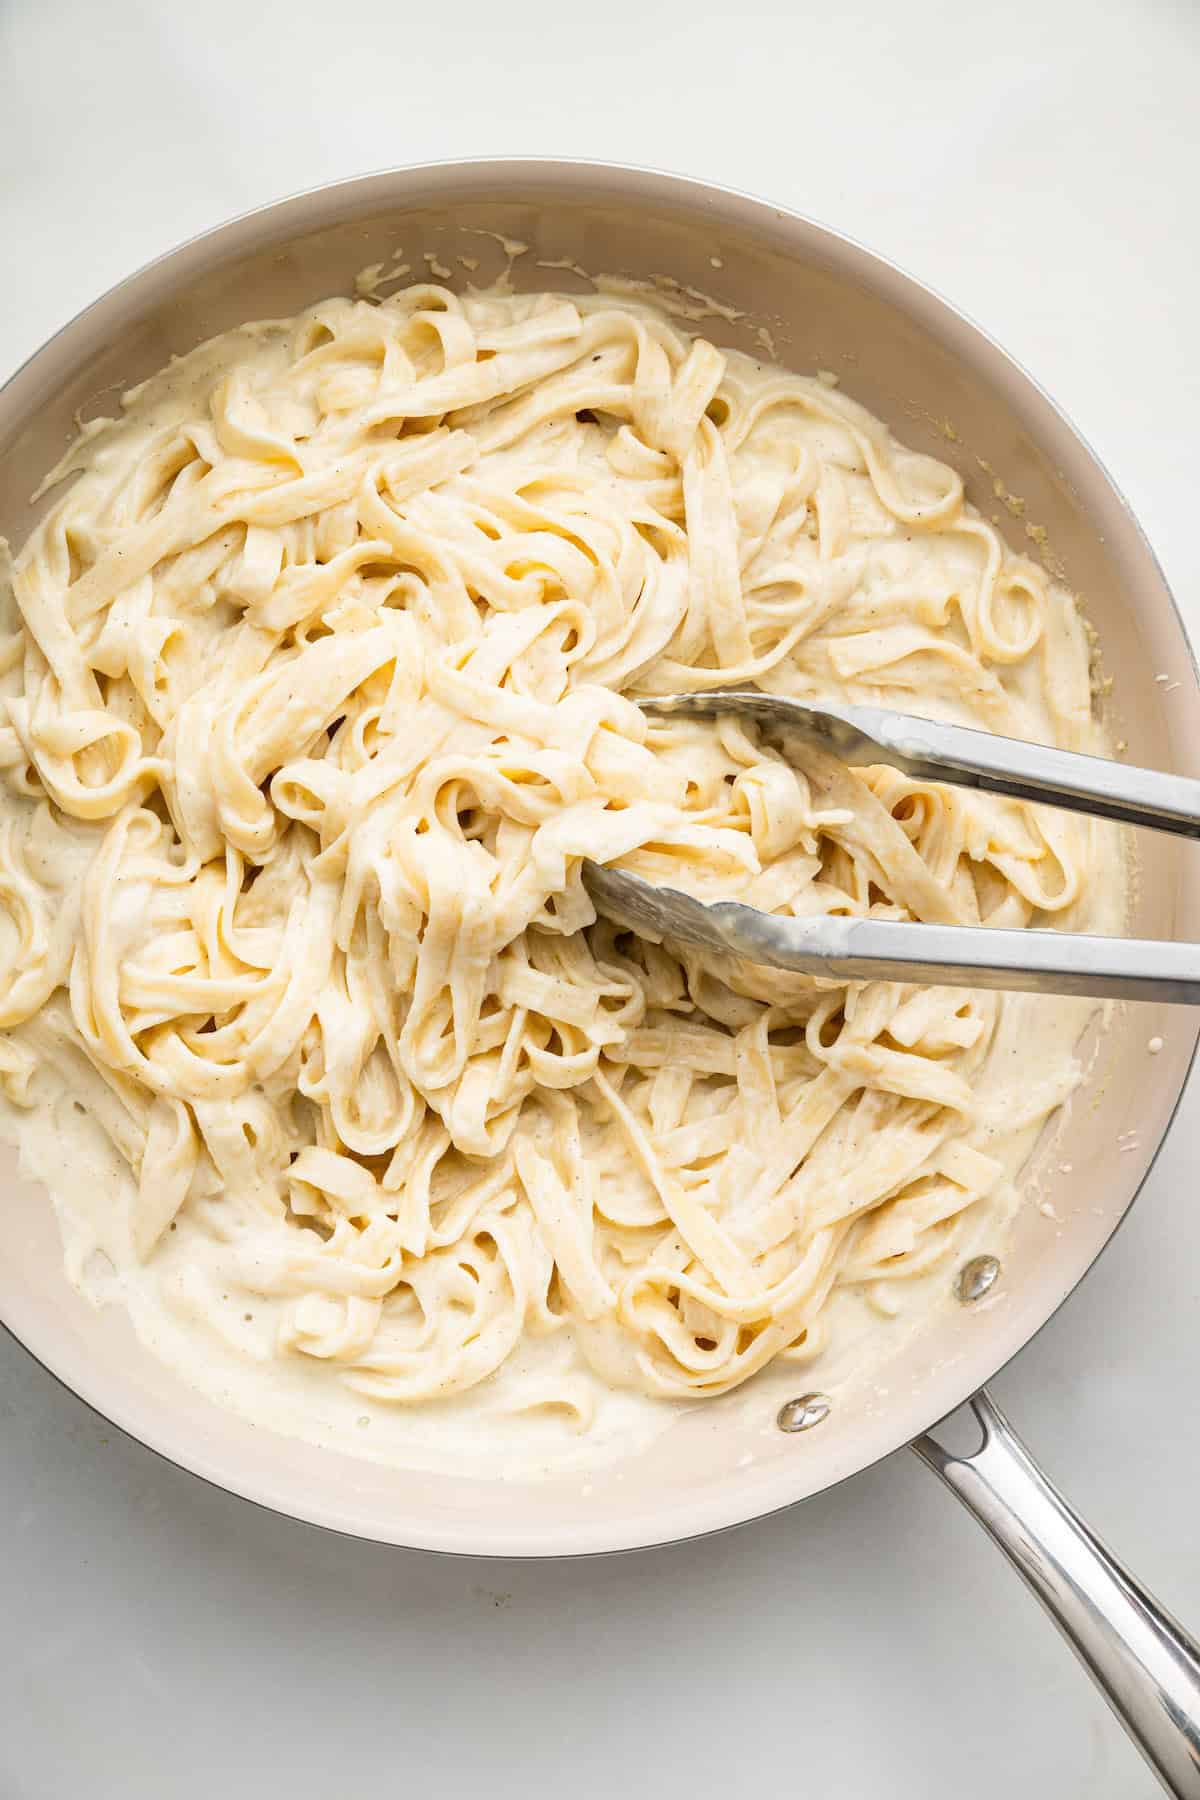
[802, 1414]
[976, 1277]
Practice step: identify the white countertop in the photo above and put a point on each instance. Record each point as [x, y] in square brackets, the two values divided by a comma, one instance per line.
[1038, 163]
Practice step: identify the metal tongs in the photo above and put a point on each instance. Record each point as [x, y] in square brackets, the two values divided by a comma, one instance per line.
[853, 949]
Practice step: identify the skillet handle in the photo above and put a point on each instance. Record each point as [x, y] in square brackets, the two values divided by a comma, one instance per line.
[1144, 1663]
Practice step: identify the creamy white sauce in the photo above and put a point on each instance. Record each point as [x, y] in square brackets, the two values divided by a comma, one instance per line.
[603, 504]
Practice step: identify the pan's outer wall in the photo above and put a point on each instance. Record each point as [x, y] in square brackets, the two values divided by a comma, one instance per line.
[944, 387]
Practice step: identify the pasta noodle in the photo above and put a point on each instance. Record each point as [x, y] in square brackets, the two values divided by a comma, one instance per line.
[321, 685]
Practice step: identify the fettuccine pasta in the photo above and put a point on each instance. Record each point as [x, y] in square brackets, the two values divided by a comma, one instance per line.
[321, 685]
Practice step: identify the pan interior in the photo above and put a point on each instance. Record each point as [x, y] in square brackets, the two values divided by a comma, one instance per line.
[810, 300]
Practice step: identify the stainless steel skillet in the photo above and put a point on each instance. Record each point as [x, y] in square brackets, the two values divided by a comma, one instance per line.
[946, 389]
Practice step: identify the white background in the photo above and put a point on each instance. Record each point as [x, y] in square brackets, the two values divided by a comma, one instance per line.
[1037, 161]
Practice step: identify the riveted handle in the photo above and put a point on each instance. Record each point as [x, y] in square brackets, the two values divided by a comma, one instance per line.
[1145, 1664]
